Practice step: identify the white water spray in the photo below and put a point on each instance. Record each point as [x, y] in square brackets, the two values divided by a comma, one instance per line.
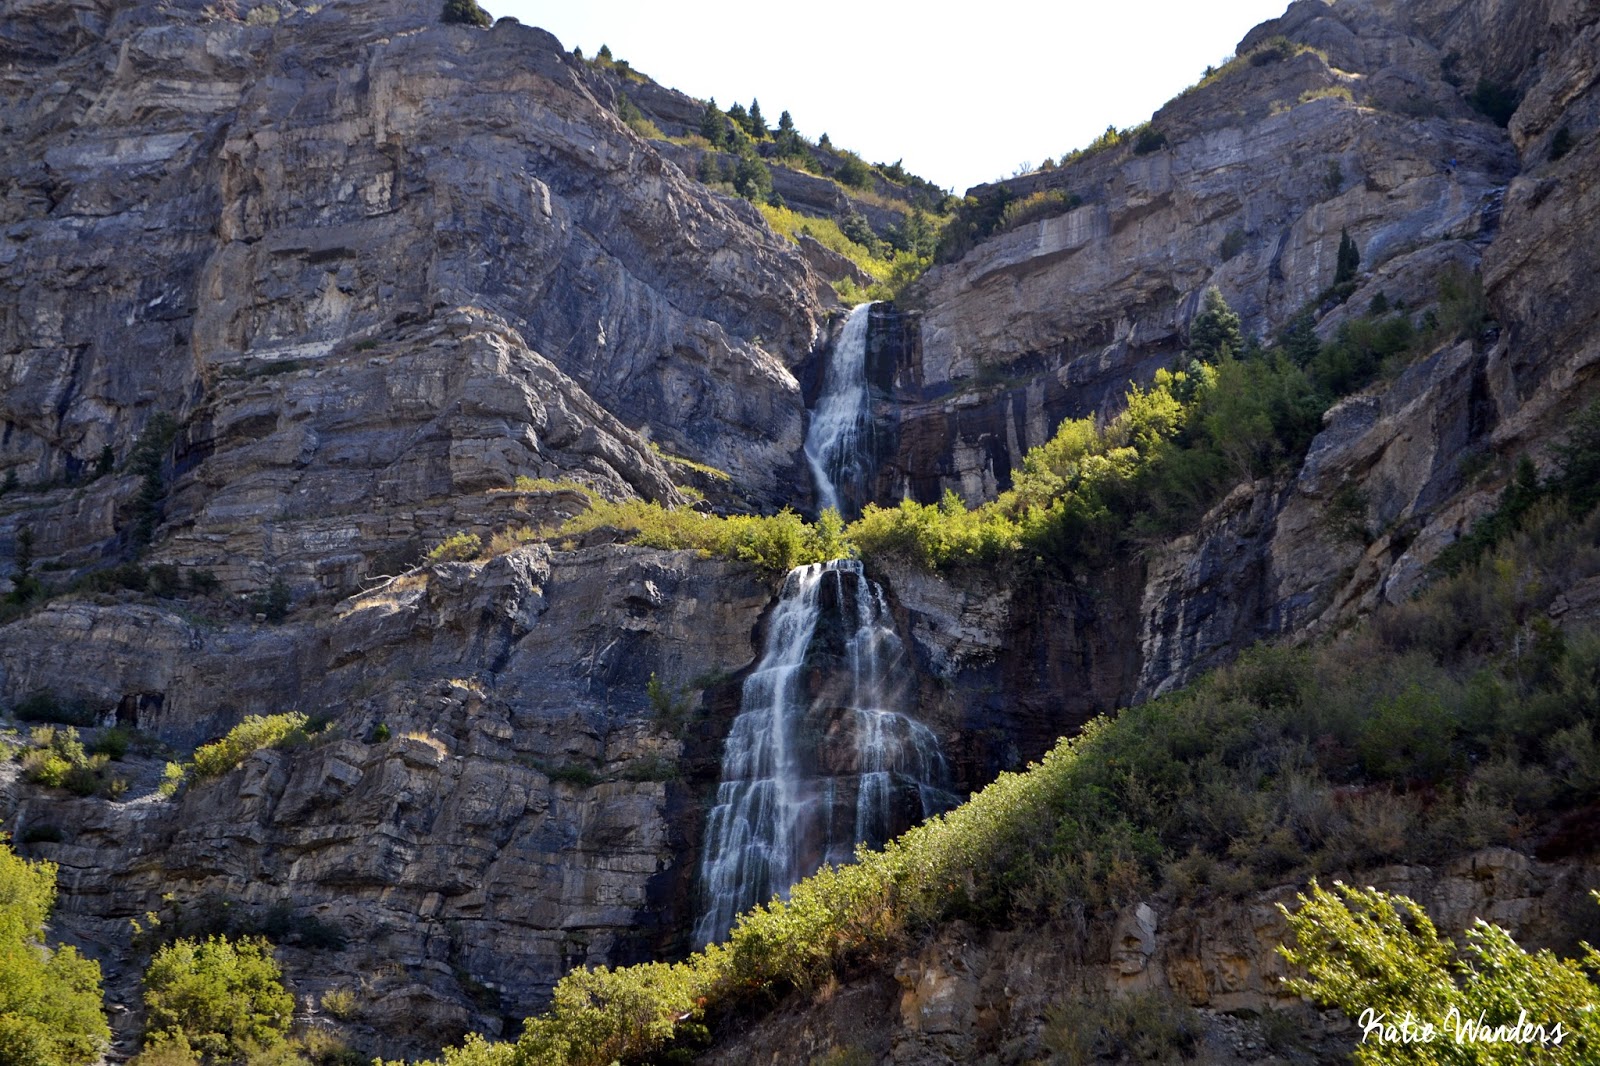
[820, 758]
[834, 442]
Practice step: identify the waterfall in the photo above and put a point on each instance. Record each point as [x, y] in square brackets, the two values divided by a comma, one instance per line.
[820, 757]
[840, 422]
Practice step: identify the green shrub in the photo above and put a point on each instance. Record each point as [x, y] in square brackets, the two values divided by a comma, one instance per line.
[1139, 1026]
[1147, 139]
[1043, 204]
[273, 602]
[777, 542]
[572, 773]
[854, 172]
[1373, 952]
[43, 706]
[50, 1008]
[222, 997]
[251, 735]
[172, 778]
[56, 759]
[341, 1003]
[148, 459]
[113, 743]
[464, 13]
[456, 548]
[1232, 244]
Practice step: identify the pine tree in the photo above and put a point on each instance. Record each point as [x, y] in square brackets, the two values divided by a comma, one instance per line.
[1348, 261]
[577, 53]
[604, 55]
[1215, 335]
[464, 13]
[752, 180]
[714, 124]
[824, 143]
[757, 125]
[785, 123]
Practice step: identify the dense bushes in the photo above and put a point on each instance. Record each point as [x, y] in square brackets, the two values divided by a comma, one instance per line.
[218, 997]
[891, 270]
[1378, 957]
[778, 542]
[249, 736]
[464, 13]
[50, 1013]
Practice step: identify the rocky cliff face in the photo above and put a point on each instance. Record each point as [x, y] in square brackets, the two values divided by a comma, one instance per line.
[499, 801]
[375, 270]
[196, 202]
[1359, 124]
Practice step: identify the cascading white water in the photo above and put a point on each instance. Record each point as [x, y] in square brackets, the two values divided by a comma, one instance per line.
[820, 757]
[837, 433]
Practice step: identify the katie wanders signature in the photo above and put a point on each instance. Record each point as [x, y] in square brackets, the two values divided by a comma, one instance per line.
[1411, 1030]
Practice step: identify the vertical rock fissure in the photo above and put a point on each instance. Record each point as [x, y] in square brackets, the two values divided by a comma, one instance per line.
[821, 756]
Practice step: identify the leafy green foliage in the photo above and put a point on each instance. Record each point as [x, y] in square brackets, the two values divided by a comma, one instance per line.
[636, 120]
[24, 586]
[1150, 470]
[777, 542]
[220, 997]
[50, 1013]
[1046, 203]
[1576, 482]
[1147, 139]
[854, 172]
[464, 13]
[892, 273]
[752, 179]
[714, 124]
[249, 736]
[456, 548]
[1378, 957]
[1215, 335]
[56, 758]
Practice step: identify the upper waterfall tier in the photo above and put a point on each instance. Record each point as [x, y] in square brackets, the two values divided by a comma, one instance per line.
[837, 437]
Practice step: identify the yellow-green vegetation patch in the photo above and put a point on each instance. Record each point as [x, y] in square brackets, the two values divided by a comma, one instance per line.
[890, 275]
[50, 1010]
[689, 464]
[249, 736]
[777, 542]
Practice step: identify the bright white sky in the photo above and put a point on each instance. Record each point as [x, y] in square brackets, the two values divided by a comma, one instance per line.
[962, 100]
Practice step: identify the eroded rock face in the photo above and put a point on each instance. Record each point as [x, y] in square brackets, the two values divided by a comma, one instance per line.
[192, 196]
[530, 809]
